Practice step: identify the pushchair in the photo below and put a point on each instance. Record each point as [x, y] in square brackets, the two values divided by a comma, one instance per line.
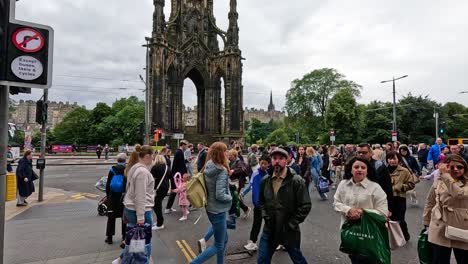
[102, 204]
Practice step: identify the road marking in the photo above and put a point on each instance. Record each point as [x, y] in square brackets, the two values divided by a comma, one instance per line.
[189, 249]
[187, 256]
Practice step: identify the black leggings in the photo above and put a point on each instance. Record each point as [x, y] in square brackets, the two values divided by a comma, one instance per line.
[398, 214]
[158, 199]
[442, 255]
[257, 224]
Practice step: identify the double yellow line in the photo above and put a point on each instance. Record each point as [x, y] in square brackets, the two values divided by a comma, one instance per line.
[186, 250]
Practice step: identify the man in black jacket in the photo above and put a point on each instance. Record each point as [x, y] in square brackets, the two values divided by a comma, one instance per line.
[202, 153]
[380, 171]
[178, 165]
[285, 203]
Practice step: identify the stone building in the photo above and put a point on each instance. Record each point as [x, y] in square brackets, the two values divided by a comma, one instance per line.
[25, 114]
[262, 115]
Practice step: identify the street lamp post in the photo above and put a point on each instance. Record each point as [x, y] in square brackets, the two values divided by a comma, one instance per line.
[147, 97]
[394, 99]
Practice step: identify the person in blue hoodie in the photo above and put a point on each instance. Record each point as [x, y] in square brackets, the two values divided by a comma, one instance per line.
[434, 152]
[254, 185]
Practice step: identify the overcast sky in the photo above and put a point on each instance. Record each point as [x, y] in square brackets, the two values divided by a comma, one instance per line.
[98, 46]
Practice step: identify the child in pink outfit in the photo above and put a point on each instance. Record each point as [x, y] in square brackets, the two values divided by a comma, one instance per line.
[181, 189]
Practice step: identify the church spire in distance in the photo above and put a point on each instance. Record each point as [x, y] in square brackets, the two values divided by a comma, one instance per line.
[271, 106]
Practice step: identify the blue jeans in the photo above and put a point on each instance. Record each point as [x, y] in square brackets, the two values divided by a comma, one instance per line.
[266, 251]
[218, 222]
[132, 221]
[230, 223]
[315, 178]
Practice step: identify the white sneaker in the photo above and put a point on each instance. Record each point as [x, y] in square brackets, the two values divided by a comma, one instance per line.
[155, 227]
[188, 212]
[168, 211]
[117, 261]
[251, 246]
[280, 247]
[201, 245]
[183, 218]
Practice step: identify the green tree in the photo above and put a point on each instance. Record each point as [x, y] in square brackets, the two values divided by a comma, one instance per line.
[415, 119]
[279, 136]
[307, 99]
[74, 128]
[455, 116]
[343, 116]
[377, 122]
[98, 135]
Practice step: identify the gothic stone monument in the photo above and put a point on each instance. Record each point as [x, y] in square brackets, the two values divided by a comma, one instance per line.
[186, 46]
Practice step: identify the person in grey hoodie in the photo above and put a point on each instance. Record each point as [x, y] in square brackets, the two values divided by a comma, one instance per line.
[139, 199]
[216, 174]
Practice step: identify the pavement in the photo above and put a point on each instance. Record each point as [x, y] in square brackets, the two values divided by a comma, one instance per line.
[65, 228]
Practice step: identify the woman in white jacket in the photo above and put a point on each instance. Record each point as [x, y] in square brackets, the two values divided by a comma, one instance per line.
[357, 192]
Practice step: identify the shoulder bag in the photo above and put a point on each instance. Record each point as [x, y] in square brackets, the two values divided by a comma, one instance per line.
[162, 179]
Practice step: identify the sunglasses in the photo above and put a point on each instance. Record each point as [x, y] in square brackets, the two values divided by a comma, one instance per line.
[458, 167]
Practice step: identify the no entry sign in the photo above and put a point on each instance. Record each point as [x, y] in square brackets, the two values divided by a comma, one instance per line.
[28, 40]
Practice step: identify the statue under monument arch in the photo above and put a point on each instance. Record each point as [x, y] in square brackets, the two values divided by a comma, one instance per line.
[186, 46]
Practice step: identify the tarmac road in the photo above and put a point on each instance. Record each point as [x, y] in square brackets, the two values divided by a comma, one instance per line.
[320, 231]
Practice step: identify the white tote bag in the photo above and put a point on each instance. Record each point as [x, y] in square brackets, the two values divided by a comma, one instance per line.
[395, 235]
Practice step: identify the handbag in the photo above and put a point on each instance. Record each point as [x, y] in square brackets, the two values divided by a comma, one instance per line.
[424, 248]
[455, 233]
[451, 232]
[395, 235]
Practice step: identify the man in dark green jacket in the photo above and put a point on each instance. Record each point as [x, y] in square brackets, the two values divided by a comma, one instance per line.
[285, 203]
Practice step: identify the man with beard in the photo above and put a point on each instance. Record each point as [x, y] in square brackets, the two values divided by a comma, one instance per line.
[285, 203]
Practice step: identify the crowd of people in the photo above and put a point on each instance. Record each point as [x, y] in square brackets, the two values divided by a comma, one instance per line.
[283, 180]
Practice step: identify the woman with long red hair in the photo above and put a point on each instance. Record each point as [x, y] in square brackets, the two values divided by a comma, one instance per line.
[216, 173]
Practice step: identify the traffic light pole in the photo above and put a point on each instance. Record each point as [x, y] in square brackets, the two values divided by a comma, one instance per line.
[4, 103]
[436, 116]
[43, 148]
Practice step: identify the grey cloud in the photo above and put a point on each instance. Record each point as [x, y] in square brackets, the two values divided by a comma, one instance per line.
[281, 40]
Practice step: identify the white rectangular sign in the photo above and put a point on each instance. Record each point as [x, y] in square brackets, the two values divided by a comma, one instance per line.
[178, 136]
[332, 138]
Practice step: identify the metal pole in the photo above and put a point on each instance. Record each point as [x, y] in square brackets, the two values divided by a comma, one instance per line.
[394, 107]
[436, 115]
[4, 103]
[43, 149]
[147, 114]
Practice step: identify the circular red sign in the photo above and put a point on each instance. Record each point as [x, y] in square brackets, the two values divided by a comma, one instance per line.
[28, 40]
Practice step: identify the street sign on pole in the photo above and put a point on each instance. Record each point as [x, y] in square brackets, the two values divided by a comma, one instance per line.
[332, 139]
[178, 136]
[27, 54]
[394, 136]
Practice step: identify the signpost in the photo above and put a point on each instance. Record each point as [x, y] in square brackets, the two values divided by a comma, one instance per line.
[332, 136]
[26, 52]
[178, 136]
[394, 136]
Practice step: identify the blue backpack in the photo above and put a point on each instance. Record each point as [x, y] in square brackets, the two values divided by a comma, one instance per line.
[323, 185]
[116, 184]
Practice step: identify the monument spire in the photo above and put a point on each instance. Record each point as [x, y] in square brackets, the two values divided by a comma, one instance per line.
[271, 106]
[159, 22]
[233, 31]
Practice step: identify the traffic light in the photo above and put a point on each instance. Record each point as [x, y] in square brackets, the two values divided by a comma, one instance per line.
[441, 131]
[41, 112]
[157, 135]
